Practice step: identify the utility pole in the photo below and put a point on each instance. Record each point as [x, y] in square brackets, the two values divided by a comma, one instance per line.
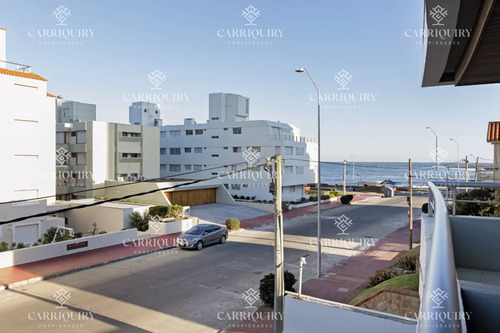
[410, 204]
[353, 175]
[466, 171]
[477, 167]
[345, 170]
[279, 279]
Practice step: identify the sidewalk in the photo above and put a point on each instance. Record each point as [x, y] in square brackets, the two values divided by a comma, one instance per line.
[343, 281]
[46, 269]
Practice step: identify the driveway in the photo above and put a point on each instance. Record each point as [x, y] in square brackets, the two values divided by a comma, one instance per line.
[219, 213]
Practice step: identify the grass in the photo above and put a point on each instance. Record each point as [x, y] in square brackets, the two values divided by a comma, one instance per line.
[407, 281]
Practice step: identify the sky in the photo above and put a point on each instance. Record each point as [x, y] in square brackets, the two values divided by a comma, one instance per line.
[180, 51]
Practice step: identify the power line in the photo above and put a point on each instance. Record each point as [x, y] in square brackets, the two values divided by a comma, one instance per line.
[62, 210]
[119, 185]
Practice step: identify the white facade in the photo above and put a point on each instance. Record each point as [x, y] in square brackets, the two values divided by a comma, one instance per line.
[71, 111]
[27, 133]
[145, 114]
[211, 149]
[92, 152]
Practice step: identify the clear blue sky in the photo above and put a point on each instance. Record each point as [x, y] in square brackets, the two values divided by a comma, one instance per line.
[179, 38]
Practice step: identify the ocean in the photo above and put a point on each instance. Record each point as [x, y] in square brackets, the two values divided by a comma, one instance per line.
[397, 172]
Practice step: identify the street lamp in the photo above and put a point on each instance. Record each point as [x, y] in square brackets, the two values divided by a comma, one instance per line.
[437, 161]
[302, 70]
[458, 154]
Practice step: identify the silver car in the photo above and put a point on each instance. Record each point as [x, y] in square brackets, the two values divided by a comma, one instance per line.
[202, 235]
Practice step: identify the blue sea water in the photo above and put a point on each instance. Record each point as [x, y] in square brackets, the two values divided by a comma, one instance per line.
[397, 172]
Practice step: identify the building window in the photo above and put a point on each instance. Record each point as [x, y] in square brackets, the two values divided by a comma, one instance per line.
[225, 128]
[187, 167]
[236, 149]
[226, 186]
[198, 132]
[163, 167]
[235, 187]
[255, 148]
[299, 151]
[163, 135]
[189, 132]
[215, 155]
[163, 151]
[299, 170]
[277, 150]
[136, 175]
[226, 148]
[198, 150]
[187, 150]
[197, 167]
[288, 170]
[135, 155]
[175, 168]
[60, 138]
[291, 189]
[175, 134]
[81, 137]
[234, 167]
[215, 118]
[236, 130]
[288, 150]
[175, 151]
[124, 175]
[215, 136]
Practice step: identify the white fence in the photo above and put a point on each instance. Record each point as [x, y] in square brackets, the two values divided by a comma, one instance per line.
[47, 251]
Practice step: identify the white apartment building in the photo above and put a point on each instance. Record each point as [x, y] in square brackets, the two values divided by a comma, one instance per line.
[27, 133]
[222, 145]
[91, 152]
[145, 114]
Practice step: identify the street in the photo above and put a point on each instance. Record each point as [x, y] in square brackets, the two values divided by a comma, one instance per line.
[195, 291]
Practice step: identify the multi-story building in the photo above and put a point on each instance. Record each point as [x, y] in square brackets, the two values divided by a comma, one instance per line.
[230, 141]
[71, 111]
[145, 114]
[91, 152]
[27, 131]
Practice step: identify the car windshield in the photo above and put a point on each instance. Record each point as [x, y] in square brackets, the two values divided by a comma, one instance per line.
[195, 230]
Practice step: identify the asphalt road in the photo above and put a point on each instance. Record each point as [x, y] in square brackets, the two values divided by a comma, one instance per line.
[193, 291]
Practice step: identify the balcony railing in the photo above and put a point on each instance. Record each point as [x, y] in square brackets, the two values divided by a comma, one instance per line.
[15, 66]
[440, 304]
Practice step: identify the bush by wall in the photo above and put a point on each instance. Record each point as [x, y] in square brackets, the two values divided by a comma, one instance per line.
[346, 199]
[233, 223]
[140, 221]
[266, 286]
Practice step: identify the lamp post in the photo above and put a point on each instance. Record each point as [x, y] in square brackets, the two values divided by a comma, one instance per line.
[458, 153]
[437, 161]
[302, 70]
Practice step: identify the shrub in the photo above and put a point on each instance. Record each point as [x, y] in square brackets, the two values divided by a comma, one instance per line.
[285, 205]
[160, 211]
[35, 244]
[233, 223]
[303, 199]
[407, 262]
[21, 245]
[325, 197]
[235, 196]
[346, 199]
[334, 193]
[176, 211]
[259, 201]
[253, 198]
[13, 246]
[266, 286]
[4, 247]
[102, 232]
[380, 276]
[425, 208]
[78, 235]
[313, 198]
[140, 221]
[49, 235]
[475, 209]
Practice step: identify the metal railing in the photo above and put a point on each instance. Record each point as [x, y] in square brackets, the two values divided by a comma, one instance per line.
[440, 307]
[15, 66]
[454, 186]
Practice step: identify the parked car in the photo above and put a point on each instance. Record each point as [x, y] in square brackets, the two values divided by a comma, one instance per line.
[202, 235]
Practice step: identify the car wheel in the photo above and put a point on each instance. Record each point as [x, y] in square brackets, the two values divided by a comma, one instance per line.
[222, 239]
[199, 245]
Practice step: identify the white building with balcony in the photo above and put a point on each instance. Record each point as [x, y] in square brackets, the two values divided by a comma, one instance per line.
[91, 152]
[27, 133]
[222, 145]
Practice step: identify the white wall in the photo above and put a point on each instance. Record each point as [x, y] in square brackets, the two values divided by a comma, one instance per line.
[47, 251]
